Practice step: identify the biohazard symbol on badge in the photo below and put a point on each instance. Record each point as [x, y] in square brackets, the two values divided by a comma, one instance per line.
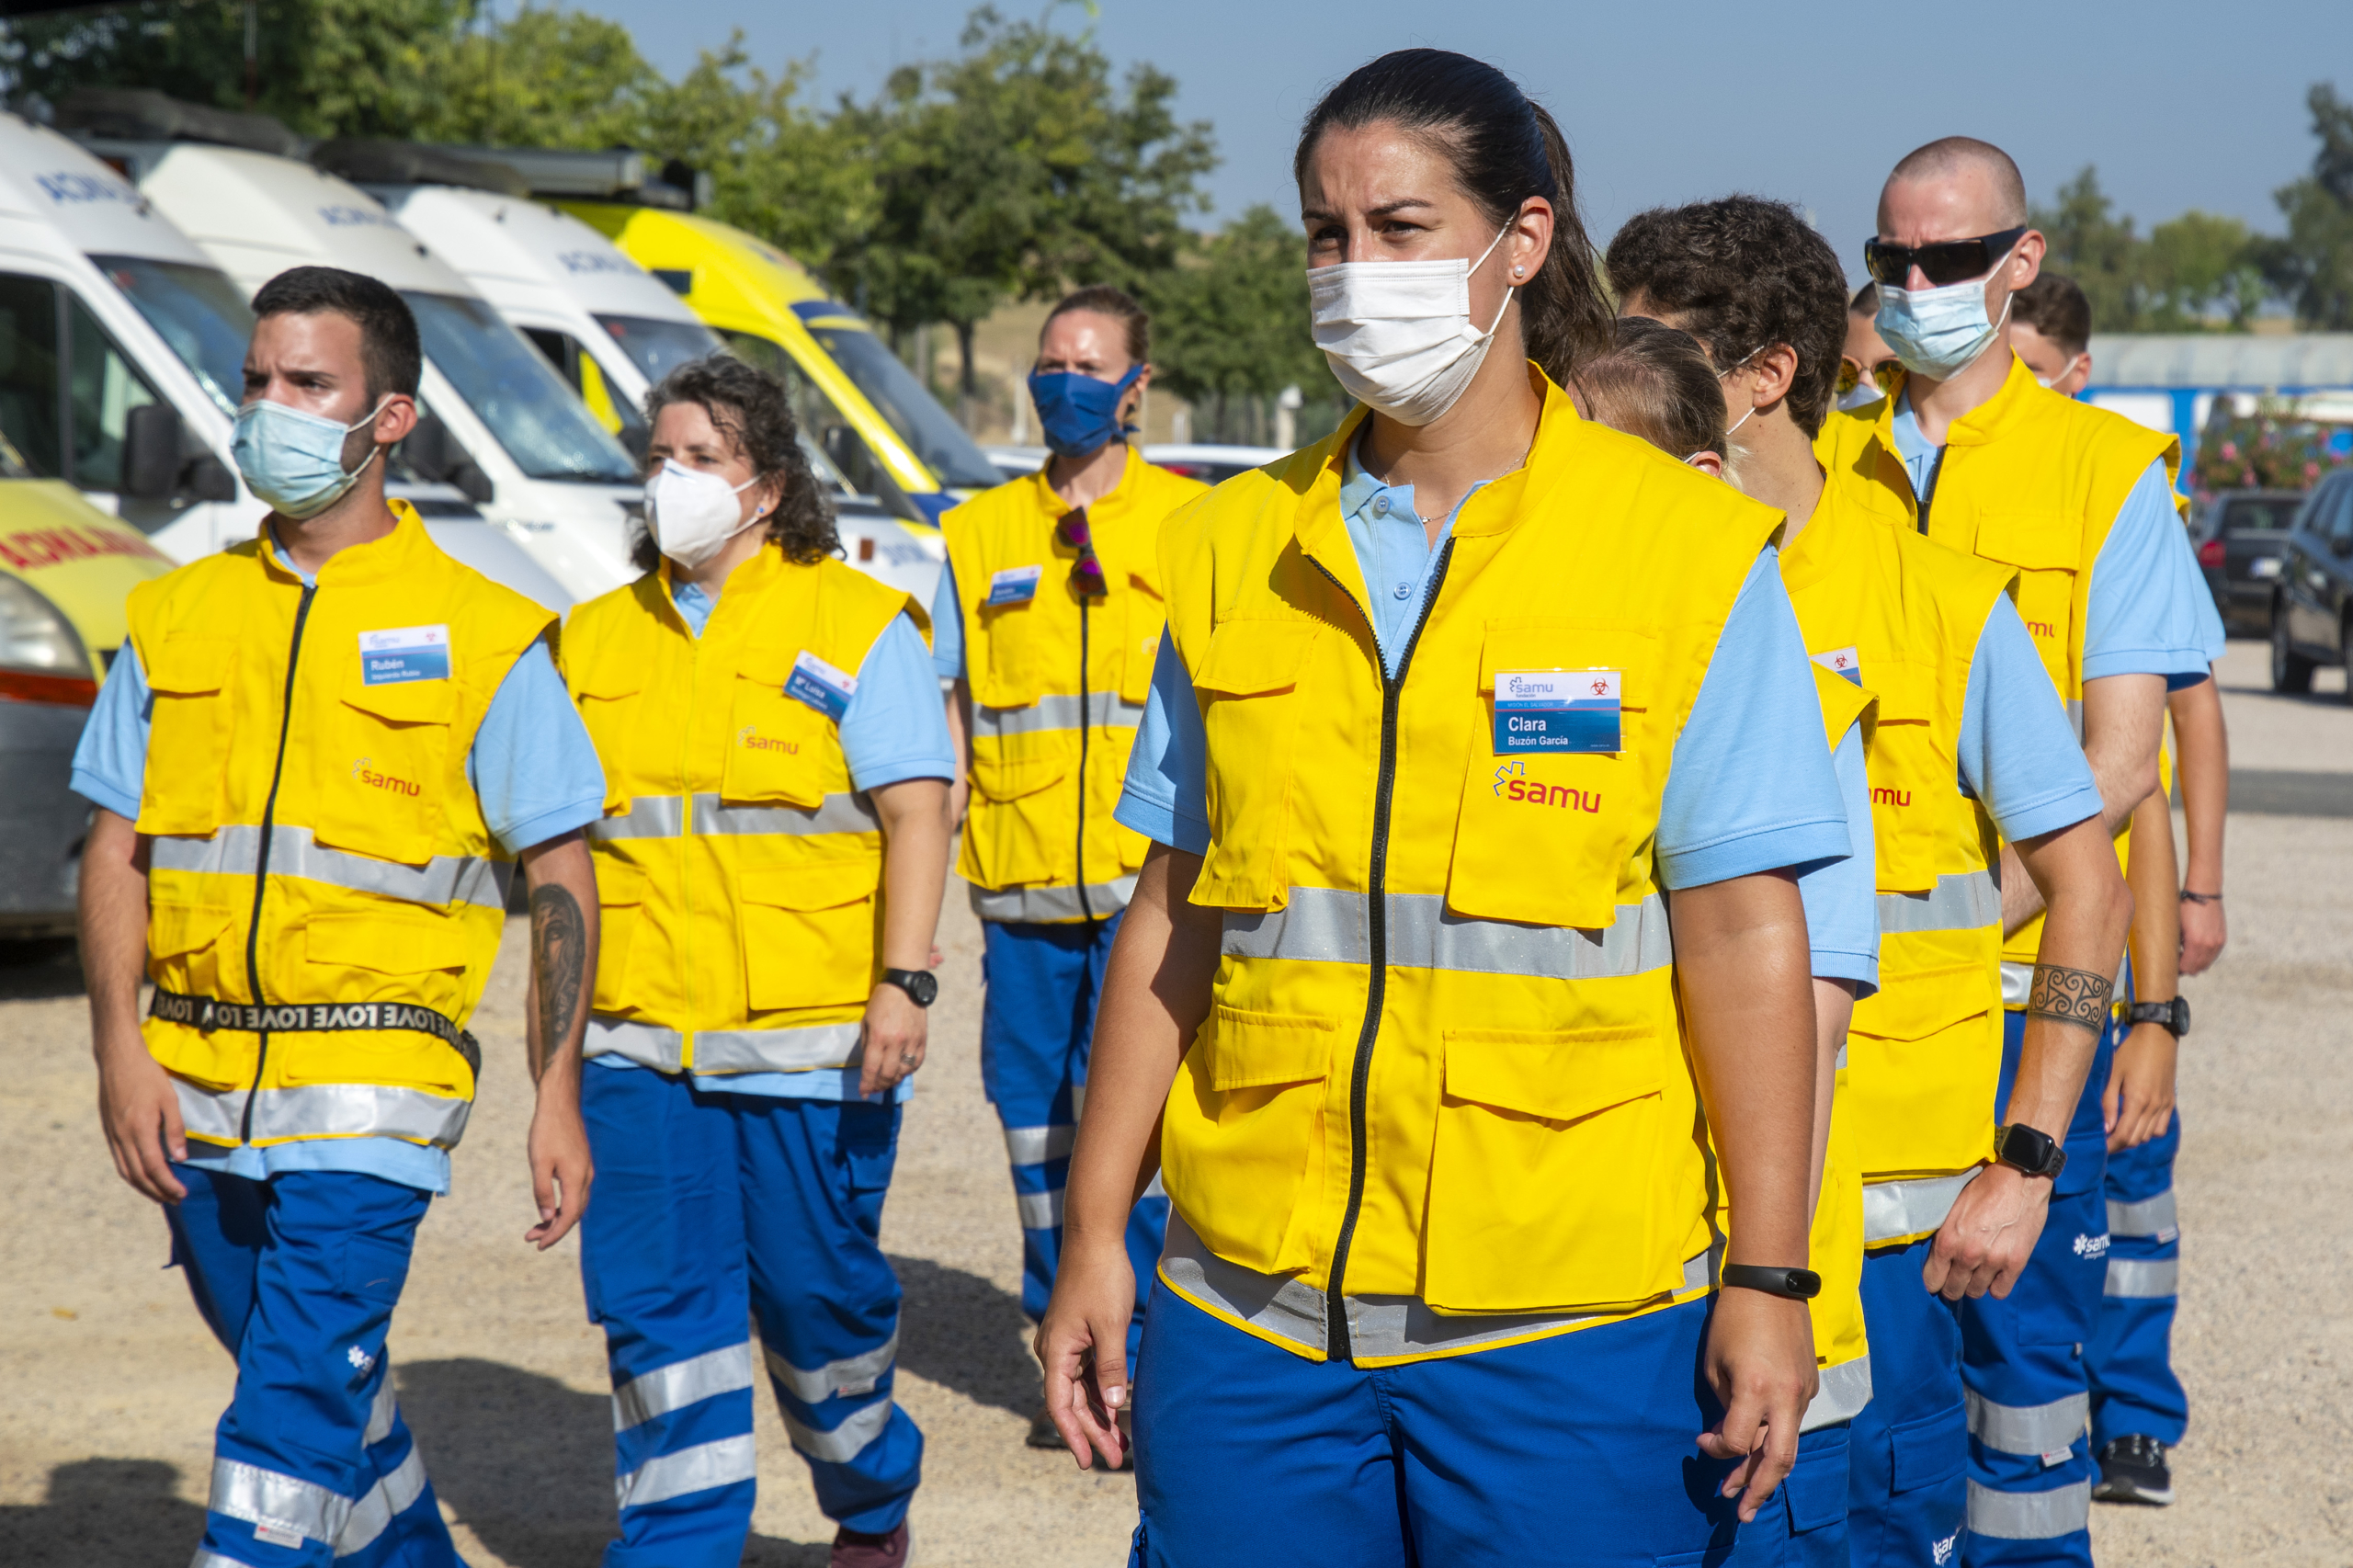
[1507, 771]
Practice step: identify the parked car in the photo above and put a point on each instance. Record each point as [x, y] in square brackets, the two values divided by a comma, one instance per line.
[2313, 602]
[2239, 535]
[1210, 463]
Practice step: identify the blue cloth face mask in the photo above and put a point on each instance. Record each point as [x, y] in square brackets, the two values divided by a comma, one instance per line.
[293, 459]
[1939, 332]
[1079, 413]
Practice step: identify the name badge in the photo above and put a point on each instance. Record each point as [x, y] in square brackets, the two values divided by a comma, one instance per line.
[403, 654]
[1014, 585]
[821, 685]
[1557, 710]
[1842, 661]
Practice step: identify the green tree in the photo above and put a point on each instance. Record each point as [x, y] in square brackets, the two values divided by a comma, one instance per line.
[2312, 266]
[1230, 329]
[2097, 246]
[2200, 271]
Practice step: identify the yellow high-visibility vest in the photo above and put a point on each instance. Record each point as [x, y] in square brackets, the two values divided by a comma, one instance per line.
[738, 869]
[320, 863]
[1058, 686]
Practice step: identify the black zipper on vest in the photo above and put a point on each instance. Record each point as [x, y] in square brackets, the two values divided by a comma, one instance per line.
[1337, 1344]
[1936, 468]
[1086, 907]
[261, 857]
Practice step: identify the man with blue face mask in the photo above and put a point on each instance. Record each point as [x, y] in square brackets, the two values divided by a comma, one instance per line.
[316, 763]
[2079, 502]
[1048, 619]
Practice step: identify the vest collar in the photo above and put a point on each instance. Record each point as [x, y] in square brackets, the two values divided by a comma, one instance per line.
[1052, 506]
[758, 571]
[383, 560]
[1986, 422]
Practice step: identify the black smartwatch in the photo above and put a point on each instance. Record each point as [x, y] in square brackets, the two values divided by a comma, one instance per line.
[1790, 1284]
[921, 986]
[2023, 1149]
[2173, 1014]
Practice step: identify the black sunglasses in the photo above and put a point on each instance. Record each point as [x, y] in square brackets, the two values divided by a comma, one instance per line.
[1947, 261]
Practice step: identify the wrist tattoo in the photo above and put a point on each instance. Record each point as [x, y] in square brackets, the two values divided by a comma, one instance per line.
[2070, 995]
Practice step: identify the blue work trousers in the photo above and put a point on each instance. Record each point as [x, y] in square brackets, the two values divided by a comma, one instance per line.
[1803, 1524]
[2134, 1390]
[2031, 1468]
[298, 1276]
[711, 1209]
[1037, 1027]
[1580, 1449]
[1908, 1452]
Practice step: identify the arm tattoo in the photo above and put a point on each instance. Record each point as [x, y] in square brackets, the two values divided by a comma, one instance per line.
[2070, 995]
[559, 960]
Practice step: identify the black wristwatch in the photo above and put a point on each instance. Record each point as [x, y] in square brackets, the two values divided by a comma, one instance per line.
[921, 986]
[1790, 1284]
[2024, 1149]
[2173, 1015]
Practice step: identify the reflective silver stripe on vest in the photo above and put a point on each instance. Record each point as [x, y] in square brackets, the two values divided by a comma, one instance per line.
[1963, 900]
[648, 1045]
[1035, 1145]
[2029, 1515]
[2144, 1278]
[698, 1468]
[2028, 1429]
[680, 1384]
[2150, 1217]
[849, 1377]
[1103, 709]
[323, 1110]
[1040, 903]
[1325, 925]
[386, 1501]
[1894, 1209]
[1379, 1326]
[665, 816]
[264, 1498]
[2017, 980]
[778, 1051]
[381, 1414]
[1039, 1210]
[843, 1443]
[1846, 1389]
[443, 880]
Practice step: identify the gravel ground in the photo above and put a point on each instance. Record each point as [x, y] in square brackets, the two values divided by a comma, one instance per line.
[114, 1384]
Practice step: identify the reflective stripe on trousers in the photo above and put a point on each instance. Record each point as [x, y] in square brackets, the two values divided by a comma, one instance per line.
[848, 1378]
[317, 1110]
[698, 1468]
[1960, 901]
[725, 1050]
[1105, 711]
[665, 816]
[2029, 1430]
[2143, 1276]
[1379, 1326]
[2151, 1217]
[1043, 1211]
[1326, 926]
[2029, 1515]
[386, 1501]
[269, 1500]
[1896, 1210]
[681, 1384]
[233, 851]
[1049, 905]
[1846, 1389]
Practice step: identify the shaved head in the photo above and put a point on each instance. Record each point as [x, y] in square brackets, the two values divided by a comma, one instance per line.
[1965, 160]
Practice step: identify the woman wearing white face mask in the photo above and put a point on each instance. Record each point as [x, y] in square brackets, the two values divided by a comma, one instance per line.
[1447, 707]
[770, 865]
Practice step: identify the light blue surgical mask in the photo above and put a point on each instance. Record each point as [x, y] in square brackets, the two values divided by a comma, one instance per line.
[1939, 332]
[293, 459]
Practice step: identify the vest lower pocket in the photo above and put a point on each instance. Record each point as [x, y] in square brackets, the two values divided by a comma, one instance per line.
[1545, 1171]
[1244, 1129]
[1020, 830]
[620, 901]
[190, 731]
[810, 933]
[381, 768]
[1924, 1057]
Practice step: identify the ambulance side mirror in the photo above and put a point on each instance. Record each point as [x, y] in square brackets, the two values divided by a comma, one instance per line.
[151, 452]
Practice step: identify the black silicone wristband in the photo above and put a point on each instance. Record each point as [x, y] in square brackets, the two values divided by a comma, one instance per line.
[1790, 1284]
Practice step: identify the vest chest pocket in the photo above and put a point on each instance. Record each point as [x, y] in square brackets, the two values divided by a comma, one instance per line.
[382, 768]
[1249, 686]
[188, 744]
[810, 933]
[1146, 618]
[1016, 647]
[2047, 548]
[605, 708]
[1541, 1173]
[777, 746]
[1542, 837]
[1912, 778]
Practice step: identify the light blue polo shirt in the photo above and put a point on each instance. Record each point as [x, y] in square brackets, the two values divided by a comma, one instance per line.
[894, 729]
[535, 774]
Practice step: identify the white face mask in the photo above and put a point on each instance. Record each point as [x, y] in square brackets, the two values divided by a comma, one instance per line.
[1939, 332]
[1398, 334]
[695, 513]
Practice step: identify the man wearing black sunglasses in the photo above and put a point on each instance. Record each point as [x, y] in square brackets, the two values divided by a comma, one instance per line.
[2079, 502]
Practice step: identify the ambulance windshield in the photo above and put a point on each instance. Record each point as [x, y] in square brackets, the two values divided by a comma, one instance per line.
[197, 311]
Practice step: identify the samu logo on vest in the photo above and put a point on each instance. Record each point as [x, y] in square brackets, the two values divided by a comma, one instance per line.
[1557, 710]
[751, 739]
[403, 654]
[363, 774]
[1513, 783]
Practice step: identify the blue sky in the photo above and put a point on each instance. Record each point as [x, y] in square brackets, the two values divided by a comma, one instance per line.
[2180, 106]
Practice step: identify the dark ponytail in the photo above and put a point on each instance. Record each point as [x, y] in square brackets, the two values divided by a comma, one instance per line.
[1505, 150]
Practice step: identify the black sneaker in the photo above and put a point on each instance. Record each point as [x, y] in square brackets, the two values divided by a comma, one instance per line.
[2133, 1470]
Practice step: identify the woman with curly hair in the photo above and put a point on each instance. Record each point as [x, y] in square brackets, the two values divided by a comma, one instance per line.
[770, 865]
